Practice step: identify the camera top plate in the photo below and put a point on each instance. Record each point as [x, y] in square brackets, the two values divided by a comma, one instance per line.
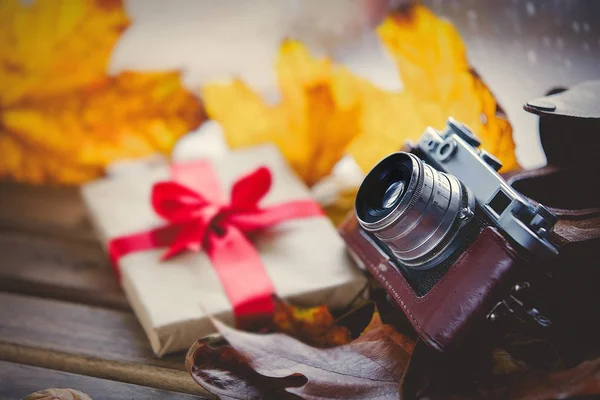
[456, 151]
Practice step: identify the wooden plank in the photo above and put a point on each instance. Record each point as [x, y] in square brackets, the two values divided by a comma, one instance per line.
[98, 342]
[45, 209]
[58, 268]
[17, 381]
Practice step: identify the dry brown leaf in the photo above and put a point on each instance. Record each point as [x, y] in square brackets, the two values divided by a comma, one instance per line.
[222, 371]
[61, 118]
[58, 394]
[314, 326]
[368, 367]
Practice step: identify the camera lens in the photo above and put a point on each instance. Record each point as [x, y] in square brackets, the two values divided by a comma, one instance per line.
[388, 184]
[417, 211]
[393, 193]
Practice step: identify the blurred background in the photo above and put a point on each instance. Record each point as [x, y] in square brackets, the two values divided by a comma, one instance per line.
[87, 83]
[522, 48]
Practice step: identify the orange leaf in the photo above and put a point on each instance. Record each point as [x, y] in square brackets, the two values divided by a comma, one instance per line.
[61, 118]
[27, 164]
[377, 328]
[128, 116]
[54, 46]
[314, 326]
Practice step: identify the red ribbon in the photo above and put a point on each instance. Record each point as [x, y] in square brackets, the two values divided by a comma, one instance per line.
[199, 218]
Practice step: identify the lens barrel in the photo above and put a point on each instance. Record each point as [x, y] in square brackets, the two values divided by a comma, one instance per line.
[417, 211]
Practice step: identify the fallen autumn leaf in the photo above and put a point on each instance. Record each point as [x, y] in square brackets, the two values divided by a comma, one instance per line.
[368, 367]
[314, 326]
[62, 118]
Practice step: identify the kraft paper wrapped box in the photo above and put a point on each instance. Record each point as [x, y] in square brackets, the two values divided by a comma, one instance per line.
[304, 258]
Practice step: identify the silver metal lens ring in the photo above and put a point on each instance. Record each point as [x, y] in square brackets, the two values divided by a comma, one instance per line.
[417, 211]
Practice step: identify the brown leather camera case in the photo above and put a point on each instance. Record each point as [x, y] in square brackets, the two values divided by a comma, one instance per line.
[461, 299]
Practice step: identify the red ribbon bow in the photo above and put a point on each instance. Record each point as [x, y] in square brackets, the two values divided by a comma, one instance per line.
[200, 219]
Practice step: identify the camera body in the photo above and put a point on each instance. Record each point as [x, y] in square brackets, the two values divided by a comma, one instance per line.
[425, 207]
[446, 235]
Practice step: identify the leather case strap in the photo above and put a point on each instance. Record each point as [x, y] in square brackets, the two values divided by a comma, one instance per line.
[460, 300]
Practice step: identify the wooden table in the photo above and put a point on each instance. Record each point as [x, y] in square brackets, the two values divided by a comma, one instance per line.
[64, 321]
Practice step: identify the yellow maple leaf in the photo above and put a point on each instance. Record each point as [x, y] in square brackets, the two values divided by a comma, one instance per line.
[438, 83]
[29, 164]
[62, 119]
[311, 125]
[325, 111]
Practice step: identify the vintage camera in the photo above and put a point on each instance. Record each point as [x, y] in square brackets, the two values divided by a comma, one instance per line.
[425, 208]
[451, 242]
[458, 247]
[443, 233]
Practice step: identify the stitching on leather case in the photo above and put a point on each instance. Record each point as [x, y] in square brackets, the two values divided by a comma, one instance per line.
[404, 306]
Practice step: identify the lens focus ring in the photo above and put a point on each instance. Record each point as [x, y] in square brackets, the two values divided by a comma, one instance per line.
[422, 229]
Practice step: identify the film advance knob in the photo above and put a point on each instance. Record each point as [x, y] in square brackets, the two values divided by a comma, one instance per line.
[463, 132]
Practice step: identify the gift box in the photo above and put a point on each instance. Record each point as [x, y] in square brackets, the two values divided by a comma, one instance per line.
[222, 260]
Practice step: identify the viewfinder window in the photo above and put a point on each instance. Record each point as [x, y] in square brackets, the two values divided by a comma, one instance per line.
[499, 202]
